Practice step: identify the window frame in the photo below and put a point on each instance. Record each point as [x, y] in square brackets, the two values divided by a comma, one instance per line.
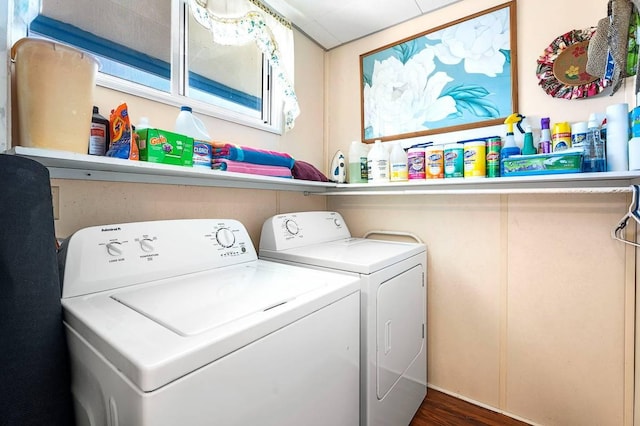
[269, 119]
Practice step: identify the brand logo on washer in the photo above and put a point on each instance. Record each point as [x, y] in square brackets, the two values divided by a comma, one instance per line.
[111, 229]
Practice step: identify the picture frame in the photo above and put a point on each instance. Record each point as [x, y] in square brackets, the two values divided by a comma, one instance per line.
[457, 76]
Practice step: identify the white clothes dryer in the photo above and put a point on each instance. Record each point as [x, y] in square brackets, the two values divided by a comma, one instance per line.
[179, 323]
[393, 305]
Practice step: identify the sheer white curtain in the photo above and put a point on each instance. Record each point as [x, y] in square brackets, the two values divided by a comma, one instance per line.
[237, 22]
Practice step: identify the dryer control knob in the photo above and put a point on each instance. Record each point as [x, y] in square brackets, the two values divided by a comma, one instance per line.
[338, 223]
[146, 244]
[114, 249]
[292, 227]
[225, 237]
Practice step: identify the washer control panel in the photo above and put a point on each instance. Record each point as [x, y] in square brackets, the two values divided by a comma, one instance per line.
[291, 230]
[112, 256]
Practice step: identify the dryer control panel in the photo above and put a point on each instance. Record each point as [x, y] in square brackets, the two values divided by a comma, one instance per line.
[112, 256]
[291, 230]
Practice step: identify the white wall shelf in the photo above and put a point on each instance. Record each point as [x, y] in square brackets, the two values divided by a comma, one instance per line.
[69, 165]
[608, 182]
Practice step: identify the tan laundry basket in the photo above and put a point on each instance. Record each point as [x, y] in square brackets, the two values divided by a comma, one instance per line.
[54, 89]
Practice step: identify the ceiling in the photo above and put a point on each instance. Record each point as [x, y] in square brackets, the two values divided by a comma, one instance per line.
[332, 23]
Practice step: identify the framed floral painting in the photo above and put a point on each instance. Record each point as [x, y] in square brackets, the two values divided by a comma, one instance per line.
[457, 76]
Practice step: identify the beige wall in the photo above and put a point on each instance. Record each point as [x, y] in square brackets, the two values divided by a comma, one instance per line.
[530, 308]
[526, 299]
[84, 203]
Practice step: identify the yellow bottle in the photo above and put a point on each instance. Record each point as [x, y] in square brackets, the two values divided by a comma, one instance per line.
[561, 136]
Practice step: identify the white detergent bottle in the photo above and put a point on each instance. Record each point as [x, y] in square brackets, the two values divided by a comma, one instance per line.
[357, 163]
[143, 124]
[189, 125]
[378, 163]
[398, 164]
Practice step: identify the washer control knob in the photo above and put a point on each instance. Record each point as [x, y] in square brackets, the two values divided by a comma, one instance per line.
[146, 244]
[338, 223]
[225, 237]
[114, 248]
[291, 226]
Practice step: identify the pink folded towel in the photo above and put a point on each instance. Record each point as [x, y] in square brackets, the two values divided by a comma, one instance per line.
[256, 169]
[251, 155]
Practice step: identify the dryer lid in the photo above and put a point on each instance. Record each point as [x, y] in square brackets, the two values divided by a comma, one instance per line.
[193, 305]
[361, 255]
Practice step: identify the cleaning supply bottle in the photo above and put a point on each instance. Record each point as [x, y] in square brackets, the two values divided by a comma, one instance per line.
[561, 137]
[544, 146]
[357, 163]
[378, 163]
[578, 134]
[99, 134]
[594, 158]
[337, 167]
[189, 125]
[528, 148]
[398, 163]
[510, 148]
[143, 124]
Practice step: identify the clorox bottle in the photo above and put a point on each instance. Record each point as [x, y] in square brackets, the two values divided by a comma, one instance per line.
[189, 125]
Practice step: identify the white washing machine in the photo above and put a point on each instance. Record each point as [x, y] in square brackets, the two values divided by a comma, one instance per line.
[179, 323]
[393, 305]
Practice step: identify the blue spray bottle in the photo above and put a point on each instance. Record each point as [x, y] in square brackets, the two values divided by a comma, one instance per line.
[510, 148]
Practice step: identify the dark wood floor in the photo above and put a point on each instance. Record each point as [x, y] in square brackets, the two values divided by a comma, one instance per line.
[439, 409]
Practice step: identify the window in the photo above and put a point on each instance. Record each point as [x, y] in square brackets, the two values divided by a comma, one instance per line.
[156, 49]
[233, 73]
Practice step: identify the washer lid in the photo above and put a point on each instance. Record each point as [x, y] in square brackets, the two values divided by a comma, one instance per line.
[361, 255]
[157, 332]
[195, 305]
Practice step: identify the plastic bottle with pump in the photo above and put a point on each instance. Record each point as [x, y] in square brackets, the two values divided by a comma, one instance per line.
[398, 164]
[189, 125]
[510, 148]
[378, 163]
[544, 146]
[357, 163]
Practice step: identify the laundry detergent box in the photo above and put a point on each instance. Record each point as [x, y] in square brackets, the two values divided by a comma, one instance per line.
[161, 146]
